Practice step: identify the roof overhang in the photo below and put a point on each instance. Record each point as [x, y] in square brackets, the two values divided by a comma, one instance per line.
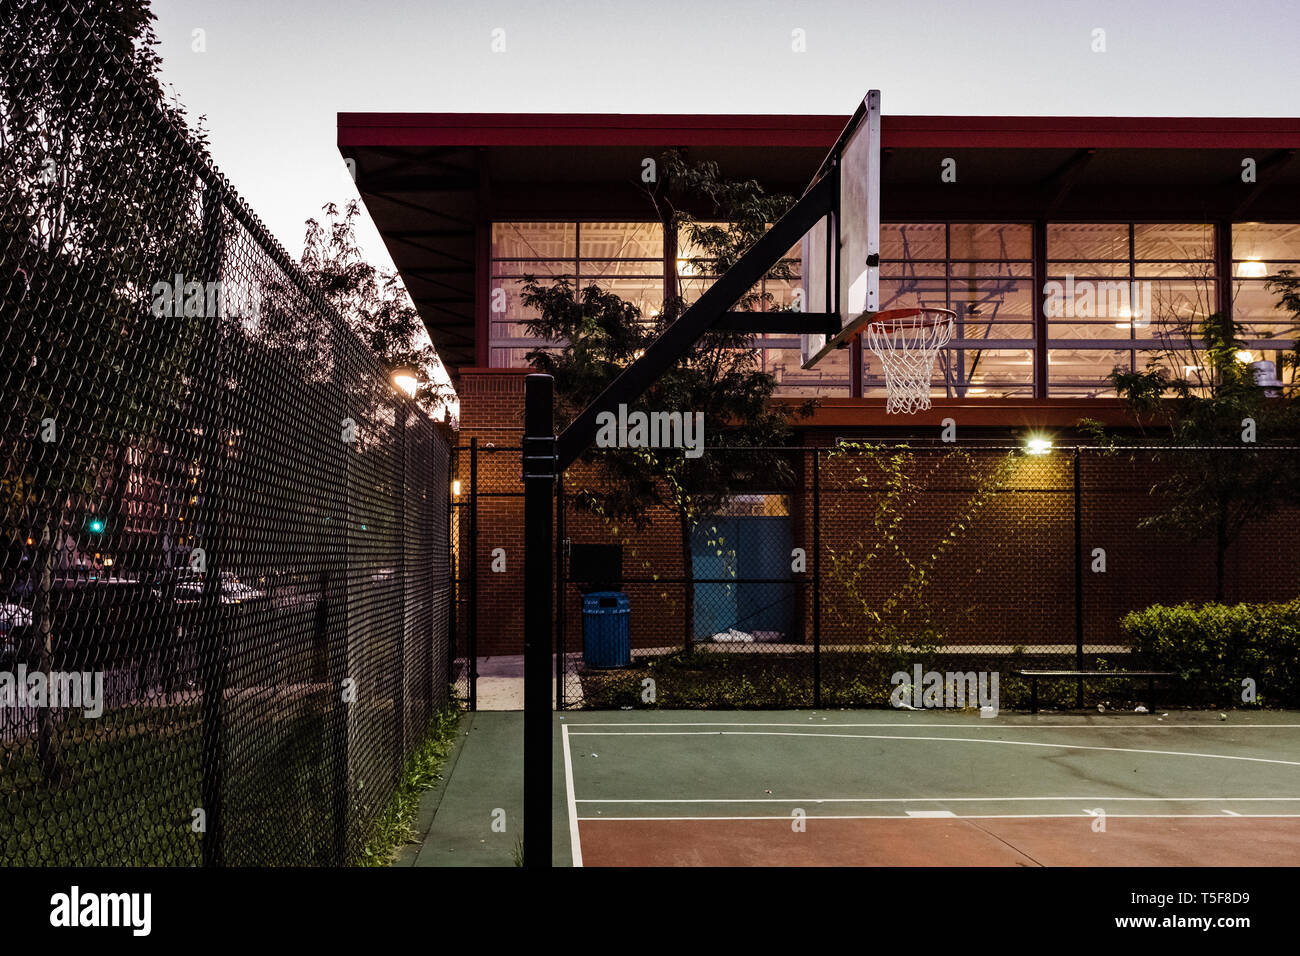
[433, 182]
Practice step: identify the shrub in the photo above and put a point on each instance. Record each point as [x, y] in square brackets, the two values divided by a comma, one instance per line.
[1215, 646]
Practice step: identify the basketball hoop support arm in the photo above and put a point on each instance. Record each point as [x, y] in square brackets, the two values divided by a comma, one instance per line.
[708, 313]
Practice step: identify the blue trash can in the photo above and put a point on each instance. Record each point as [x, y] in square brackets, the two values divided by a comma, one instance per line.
[606, 631]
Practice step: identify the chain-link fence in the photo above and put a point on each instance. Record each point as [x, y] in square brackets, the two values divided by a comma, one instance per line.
[822, 573]
[225, 589]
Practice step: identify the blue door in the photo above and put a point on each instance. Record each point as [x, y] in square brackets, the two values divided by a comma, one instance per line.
[751, 548]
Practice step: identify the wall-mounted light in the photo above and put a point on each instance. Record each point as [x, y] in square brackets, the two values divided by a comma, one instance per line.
[455, 488]
[1252, 269]
[1038, 446]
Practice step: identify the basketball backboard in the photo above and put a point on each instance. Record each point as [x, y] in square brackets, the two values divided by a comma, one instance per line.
[841, 254]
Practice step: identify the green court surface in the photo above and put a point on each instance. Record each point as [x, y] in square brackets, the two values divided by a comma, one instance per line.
[886, 788]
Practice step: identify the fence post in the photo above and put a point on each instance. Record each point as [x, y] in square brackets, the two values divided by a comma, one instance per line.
[1078, 580]
[817, 579]
[539, 461]
[559, 592]
[211, 627]
[471, 625]
[399, 693]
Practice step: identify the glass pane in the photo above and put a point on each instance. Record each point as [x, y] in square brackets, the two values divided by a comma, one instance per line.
[1176, 303]
[534, 240]
[1266, 240]
[1085, 371]
[535, 267]
[912, 240]
[512, 302]
[621, 240]
[1256, 309]
[1174, 269]
[1087, 241]
[646, 294]
[971, 269]
[996, 241]
[1000, 308]
[686, 249]
[591, 269]
[1173, 240]
[912, 269]
[1060, 271]
[910, 294]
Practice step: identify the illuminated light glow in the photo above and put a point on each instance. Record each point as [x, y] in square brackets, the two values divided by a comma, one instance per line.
[1252, 269]
[406, 383]
[977, 391]
[1244, 356]
[455, 487]
[1038, 446]
[96, 525]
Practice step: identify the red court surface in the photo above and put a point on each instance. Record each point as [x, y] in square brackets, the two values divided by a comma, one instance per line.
[948, 842]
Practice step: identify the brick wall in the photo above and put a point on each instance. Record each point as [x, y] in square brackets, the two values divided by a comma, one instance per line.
[1004, 579]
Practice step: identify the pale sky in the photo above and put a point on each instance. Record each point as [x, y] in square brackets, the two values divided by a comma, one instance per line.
[276, 72]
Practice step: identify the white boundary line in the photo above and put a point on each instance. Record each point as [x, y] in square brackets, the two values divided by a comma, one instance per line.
[574, 840]
[984, 725]
[816, 800]
[960, 740]
[1083, 815]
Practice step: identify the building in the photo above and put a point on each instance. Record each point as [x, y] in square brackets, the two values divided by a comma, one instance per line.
[1054, 237]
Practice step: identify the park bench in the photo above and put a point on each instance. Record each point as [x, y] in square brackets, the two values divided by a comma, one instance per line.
[1034, 675]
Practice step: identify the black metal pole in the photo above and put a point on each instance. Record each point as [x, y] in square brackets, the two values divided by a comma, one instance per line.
[1078, 580]
[539, 473]
[471, 651]
[559, 592]
[212, 619]
[817, 578]
[399, 690]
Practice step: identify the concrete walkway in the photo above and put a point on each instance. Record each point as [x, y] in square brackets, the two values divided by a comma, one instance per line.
[501, 682]
[474, 817]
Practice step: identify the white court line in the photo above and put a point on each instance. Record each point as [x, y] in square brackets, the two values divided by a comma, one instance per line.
[943, 799]
[574, 842]
[1084, 815]
[931, 814]
[959, 740]
[1232, 813]
[985, 725]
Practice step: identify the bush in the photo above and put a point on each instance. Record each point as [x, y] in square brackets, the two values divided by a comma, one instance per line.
[1215, 646]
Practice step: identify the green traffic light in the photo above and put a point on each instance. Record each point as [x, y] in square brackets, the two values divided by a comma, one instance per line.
[96, 525]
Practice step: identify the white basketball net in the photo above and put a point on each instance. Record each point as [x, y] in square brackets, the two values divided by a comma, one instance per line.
[907, 342]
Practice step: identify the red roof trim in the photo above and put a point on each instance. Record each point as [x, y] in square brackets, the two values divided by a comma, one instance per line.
[900, 132]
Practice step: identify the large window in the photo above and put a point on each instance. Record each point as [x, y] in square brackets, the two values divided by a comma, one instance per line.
[1120, 295]
[625, 258]
[982, 272]
[1115, 294]
[1260, 250]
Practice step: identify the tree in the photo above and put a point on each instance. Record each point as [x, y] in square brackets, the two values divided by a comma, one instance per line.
[374, 303]
[1215, 493]
[719, 376]
[97, 200]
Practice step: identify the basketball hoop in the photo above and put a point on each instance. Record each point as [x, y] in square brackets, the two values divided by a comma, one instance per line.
[907, 342]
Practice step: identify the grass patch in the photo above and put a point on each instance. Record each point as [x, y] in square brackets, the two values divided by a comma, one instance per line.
[423, 770]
